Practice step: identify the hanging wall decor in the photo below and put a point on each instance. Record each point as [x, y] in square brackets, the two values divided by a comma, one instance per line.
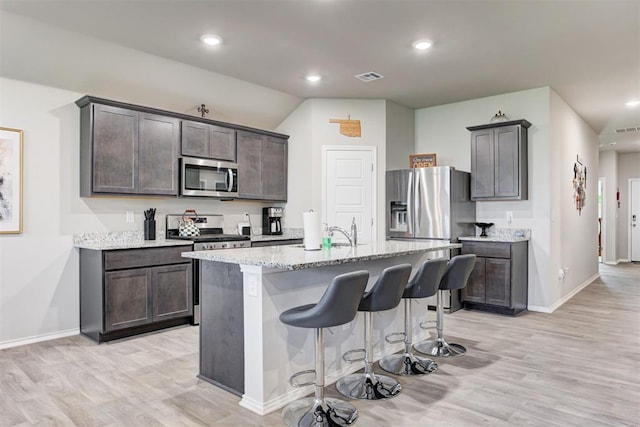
[579, 184]
[10, 181]
[348, 127]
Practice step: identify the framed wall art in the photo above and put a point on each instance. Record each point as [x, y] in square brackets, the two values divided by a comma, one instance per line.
[10, 181]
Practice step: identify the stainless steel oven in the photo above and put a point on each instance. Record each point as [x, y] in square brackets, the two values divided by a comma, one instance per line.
[208, 178]
[211, 237]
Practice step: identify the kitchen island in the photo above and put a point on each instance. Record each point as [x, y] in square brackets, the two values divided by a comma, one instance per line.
[245, 349]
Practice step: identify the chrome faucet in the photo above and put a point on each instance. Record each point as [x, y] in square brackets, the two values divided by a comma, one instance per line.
[351, 237]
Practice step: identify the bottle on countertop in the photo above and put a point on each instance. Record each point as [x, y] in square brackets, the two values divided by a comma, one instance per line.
[354, 232]
[326, 237]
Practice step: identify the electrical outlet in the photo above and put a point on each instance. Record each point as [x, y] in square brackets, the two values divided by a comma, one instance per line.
[509, 217]
[130, 217]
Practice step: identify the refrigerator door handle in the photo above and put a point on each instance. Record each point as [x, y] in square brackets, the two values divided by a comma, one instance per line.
[410, 205]
[418, 203]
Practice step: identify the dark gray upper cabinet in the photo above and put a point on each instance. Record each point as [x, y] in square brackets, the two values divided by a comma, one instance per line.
[262, 167]
[274, 169]
[113, 146]
[499, 161]
[129, 149]
[208, 141]
[157, 154]
[127, 152]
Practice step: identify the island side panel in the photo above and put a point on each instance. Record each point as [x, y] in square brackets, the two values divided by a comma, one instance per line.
[222, 326]
[278, 351]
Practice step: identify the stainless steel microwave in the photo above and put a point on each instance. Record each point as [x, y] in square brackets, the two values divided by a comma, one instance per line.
[208, 178]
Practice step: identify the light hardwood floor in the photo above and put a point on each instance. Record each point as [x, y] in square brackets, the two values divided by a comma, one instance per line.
[578, 366]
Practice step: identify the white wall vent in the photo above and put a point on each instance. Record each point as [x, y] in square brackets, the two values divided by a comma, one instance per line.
[369, 76]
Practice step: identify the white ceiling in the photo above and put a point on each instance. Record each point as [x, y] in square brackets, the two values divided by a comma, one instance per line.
[587, 51]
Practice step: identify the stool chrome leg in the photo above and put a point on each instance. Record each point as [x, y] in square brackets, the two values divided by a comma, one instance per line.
[439, 347]
[319, 411]
[406, 363]
[368, 385]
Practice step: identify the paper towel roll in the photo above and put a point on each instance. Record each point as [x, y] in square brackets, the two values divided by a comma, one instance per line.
[312, 231]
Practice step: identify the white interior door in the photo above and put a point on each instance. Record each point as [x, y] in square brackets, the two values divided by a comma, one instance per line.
[349, 189]
[634, 217]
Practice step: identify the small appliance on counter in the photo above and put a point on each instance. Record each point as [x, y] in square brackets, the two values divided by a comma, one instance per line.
[271, 221]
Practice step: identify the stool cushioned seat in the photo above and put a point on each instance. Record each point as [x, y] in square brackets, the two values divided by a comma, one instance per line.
[426, 281]
[338, 305]
[384, 296]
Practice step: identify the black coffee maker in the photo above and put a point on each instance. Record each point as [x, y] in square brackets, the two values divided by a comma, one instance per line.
[271, 221]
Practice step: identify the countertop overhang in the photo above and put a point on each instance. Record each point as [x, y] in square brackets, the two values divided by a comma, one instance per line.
[295, 257]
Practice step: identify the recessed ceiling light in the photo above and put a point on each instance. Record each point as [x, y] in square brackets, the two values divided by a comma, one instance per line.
[313, 78]
[613, 143]
[211, 40]
[632, 103]
[422, 44]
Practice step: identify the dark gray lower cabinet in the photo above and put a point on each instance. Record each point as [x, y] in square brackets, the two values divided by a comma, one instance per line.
[127, 298]
[129, 291]
[499, 280]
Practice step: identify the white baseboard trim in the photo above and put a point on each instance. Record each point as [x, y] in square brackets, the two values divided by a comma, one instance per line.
[39, 338]
[539, 309]
[622, 260]
[611, 262]
[558, 304]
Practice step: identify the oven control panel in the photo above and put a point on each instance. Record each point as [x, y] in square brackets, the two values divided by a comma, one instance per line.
[207, 246]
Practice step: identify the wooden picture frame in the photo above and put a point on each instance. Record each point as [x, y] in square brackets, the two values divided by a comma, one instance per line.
[422, 160]
[10, 181]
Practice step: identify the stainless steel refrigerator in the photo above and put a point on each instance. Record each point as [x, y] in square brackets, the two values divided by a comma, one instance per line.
[430, 204]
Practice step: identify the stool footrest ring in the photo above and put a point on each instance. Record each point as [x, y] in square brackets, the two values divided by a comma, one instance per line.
[428, 322]
[297, 374]
[346, 355]
[388, 338]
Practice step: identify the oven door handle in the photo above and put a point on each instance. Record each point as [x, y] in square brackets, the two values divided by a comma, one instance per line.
[229, 180]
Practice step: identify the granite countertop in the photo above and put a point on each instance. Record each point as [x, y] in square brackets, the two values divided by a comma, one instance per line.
[286, 235]
[294, 257]
[122, 240]
[504, 235]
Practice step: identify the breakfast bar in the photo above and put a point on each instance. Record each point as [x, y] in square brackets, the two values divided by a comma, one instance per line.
[245, 349]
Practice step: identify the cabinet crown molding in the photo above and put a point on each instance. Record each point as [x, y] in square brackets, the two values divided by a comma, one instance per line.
[522, 122]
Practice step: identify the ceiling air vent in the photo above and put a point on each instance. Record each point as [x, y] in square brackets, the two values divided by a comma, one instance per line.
[369, 76]
[623, 130]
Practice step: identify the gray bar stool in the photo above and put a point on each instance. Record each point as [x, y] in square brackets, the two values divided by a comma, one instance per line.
[385, 294]
[455, 277]
[424, 284]
[338, 306]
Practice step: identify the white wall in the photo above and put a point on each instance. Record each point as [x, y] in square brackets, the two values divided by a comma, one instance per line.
[442, 130]
[608, 169]
[574, 236]
[628, 168]
[400, 135]
[309, 127]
